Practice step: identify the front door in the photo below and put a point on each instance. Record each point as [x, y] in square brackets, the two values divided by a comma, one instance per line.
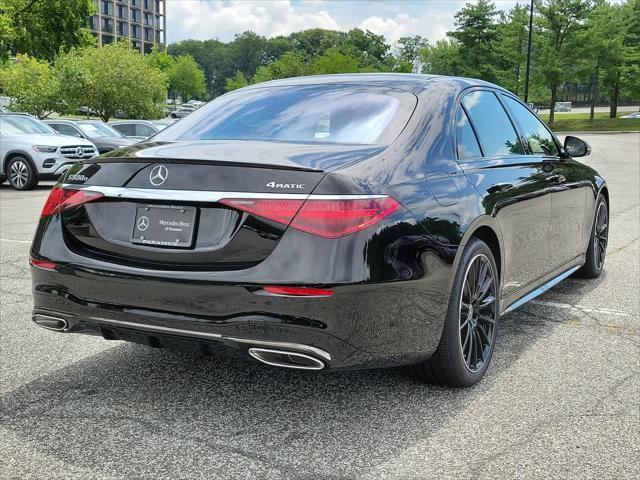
[565, 182]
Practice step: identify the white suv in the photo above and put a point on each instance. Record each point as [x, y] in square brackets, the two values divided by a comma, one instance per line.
[31, 151]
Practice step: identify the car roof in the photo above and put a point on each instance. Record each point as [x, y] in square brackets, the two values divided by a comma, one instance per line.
[127, 121]
[406, 81]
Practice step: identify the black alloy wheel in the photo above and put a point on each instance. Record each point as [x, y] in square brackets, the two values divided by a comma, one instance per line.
[601, 233]
[597, 250]
[469, 331]
[477, 313]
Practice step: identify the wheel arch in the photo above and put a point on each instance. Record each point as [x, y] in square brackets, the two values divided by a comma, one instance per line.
[487, 229]
[17, 153]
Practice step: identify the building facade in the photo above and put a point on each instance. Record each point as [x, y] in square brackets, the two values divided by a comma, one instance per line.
[141, 22]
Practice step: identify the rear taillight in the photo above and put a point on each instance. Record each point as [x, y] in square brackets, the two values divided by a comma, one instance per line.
[326, 218]
[61, 199]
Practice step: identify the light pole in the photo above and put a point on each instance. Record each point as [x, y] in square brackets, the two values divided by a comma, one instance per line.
[526, 75]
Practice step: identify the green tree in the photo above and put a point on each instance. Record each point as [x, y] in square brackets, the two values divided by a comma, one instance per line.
[371, 50]
[315, 41]
[237, 81]
[443, 58]
[409, 48]
[186, 78]
[511, 48]
[160, 59]
[629, 75]
[476, 33]
[558, 45]
[604, 50]
[32, 85]
[291, 64]
[43, 28]
[332, 61]
[111, 79]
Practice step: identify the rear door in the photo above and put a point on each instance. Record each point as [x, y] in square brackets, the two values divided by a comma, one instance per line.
[568, 190]
[512, 183]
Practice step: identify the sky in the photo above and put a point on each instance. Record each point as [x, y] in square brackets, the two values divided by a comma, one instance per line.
[222, 19]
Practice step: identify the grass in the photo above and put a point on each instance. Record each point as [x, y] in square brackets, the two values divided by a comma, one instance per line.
[579, 122]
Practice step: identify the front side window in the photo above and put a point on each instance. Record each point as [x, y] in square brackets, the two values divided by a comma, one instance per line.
[495, 131]
[466, 141]
[336, 114]
[65, 129]
[144, 130]
[538, 137]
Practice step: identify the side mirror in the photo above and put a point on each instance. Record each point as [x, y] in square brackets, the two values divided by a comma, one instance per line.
[575, 147]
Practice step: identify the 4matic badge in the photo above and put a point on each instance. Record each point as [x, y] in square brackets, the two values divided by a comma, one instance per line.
[290, 186]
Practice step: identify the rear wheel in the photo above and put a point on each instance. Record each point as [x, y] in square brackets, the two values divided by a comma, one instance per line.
[21, 174]
[468, 337]
[597, 250]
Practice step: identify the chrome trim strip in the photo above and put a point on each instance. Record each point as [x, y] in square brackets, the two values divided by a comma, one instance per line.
[286, 345]
[210, 336]
[540, 290]
[256, 353]
[203, 195]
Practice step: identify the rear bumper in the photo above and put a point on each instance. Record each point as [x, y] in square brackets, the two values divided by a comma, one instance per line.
[361, 326]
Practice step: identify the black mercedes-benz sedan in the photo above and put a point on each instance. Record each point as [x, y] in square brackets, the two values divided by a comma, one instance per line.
[327, 222]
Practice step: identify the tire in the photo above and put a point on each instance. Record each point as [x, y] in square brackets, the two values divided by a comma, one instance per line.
[21, 174]
[455, 363]
[597, 249]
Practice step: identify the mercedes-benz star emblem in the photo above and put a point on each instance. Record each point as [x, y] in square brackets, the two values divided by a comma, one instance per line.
[158, 175]
[143, 223]
[79, 151]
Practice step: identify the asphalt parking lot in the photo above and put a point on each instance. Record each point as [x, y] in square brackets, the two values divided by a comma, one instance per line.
[561, 399]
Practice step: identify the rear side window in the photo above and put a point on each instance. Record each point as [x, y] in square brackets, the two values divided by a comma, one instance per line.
[538, 137]
[343, 114]
[495, 131]
[128, 129]
[466, 141]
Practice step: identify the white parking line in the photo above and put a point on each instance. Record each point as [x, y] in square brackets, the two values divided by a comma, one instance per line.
[580, 308]
[8, 240]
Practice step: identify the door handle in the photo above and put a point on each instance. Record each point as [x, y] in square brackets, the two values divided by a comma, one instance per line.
[556, 178]
[499, 187]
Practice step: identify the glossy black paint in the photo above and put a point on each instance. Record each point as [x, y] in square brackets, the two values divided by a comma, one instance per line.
[392, 281]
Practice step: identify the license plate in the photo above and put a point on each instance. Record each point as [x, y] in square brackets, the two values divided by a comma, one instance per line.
[164, 226]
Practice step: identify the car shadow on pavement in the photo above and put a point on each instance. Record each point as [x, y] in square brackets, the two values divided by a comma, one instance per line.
[148, 413]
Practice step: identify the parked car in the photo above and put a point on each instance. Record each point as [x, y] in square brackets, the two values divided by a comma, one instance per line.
[182, 112]
[562, 107]
[346, 221]
[631, 115]
[194, 103]
[139, 129]
[100, 134]
[31, 151]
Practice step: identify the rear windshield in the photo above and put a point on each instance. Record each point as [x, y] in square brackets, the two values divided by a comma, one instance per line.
[311, 114]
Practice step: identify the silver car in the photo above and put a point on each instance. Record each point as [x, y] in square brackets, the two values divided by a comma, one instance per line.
[31, 151]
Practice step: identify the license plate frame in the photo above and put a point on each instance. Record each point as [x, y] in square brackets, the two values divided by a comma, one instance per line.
[165, 226]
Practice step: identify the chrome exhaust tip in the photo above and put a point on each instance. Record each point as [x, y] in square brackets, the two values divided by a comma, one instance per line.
[50, 323]
[286, 359]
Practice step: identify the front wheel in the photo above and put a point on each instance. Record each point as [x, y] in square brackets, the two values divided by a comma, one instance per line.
[469, 333]
[597, 250]
[21, 174]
